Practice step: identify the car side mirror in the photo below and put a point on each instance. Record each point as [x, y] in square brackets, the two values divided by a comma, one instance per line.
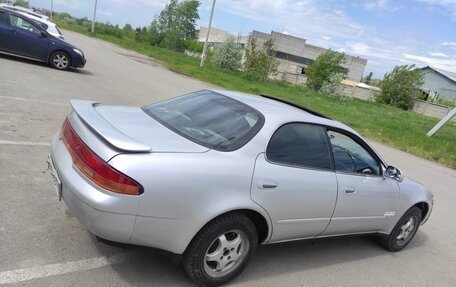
[43, 34]
[393, 173]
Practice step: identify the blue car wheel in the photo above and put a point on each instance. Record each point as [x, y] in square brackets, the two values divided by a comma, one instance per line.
[59, 60]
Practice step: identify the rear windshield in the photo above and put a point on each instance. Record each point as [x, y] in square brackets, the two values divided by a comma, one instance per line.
[209, 119]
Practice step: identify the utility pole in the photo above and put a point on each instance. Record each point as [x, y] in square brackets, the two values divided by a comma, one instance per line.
[94, 15]
[203, 56]
[52, 7]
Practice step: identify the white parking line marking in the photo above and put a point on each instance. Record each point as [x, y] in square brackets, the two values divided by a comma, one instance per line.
[19, 275]
[5, 142]
[34, 101]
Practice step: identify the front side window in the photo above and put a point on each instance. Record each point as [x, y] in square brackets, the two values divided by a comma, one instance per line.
[209, 119]
[23, 24]
[301, 145]
[351, 157]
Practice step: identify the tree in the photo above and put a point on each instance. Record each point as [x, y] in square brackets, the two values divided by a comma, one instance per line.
[367, 80]
[400, 86]
[141, 34]
[228, 55]
[128, 31]
[175, 24]
[22, 3]
[326, 68]
[260, 63]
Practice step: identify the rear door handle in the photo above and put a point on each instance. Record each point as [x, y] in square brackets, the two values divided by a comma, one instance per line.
[267, 184]
[349, 189]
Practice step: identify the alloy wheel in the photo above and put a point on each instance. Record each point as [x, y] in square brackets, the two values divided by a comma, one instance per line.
[226, 253]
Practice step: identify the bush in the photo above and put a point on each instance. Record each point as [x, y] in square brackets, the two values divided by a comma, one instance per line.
[400, 87]
[332, 85]
[194, 46]
[260, 63]
[228, 55]
[325, 70]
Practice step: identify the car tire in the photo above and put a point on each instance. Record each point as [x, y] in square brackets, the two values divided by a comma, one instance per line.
[403, 232]
[60, 60]
[221, 250]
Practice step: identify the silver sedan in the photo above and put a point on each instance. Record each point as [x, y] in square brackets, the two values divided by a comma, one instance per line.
[212, 174]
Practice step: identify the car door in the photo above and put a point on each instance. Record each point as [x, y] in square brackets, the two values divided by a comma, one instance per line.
[295, 183]
[26, 39]
[366, 200]
[4, 34]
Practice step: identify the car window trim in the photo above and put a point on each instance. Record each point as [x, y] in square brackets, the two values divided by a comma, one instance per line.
[332, 163]
[363, 144]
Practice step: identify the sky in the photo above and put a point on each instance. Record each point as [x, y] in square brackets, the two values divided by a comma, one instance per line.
[385, 32]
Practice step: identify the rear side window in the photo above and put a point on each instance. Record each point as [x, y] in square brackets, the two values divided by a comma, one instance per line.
[41, 24]
[2, 17]
[301, 145]
[209, 119]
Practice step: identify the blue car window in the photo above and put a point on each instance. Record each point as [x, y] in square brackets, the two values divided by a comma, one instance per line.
[23, 24]
[2, 17]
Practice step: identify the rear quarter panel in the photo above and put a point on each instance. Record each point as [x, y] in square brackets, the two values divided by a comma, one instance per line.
[184, 191]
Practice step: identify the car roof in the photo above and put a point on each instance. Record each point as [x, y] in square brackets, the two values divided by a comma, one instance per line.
[36, 18]
[281, 112]
[22, 9]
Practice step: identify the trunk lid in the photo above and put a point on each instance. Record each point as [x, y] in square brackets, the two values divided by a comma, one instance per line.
[130, 129]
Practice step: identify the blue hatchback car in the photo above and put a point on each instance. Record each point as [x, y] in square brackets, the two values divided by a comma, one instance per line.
[22, 37]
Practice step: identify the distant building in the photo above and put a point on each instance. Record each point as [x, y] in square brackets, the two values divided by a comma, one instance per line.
[439, 83]
[295, 55]
[217, 36]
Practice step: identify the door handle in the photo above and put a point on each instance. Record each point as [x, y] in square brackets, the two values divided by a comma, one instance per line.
[349, 190]
[267, 184]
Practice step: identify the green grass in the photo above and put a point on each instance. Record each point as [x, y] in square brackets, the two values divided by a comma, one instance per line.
[394, 127]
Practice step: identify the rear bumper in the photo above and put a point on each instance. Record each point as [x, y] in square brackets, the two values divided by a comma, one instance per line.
[107, 215]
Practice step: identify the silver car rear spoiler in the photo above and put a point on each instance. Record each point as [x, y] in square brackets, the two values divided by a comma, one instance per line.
[88, 114]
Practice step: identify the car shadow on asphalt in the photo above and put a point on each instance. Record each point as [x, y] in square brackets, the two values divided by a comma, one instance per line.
[44, 65]
[151, 267]
[81, 71]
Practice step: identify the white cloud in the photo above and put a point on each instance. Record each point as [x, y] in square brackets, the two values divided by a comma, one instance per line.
[450, 44]
[444, 64]
[305, 18]
[438, 54]
[105, 13]
[448, 5]
[146, 3]
[380, 6]
[68, 4]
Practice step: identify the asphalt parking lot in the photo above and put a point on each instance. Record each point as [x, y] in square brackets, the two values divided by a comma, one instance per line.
[42, 244]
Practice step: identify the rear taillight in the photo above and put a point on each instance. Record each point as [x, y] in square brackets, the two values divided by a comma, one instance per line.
[95, 168]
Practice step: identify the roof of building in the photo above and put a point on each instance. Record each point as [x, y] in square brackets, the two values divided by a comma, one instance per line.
[450, 75]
